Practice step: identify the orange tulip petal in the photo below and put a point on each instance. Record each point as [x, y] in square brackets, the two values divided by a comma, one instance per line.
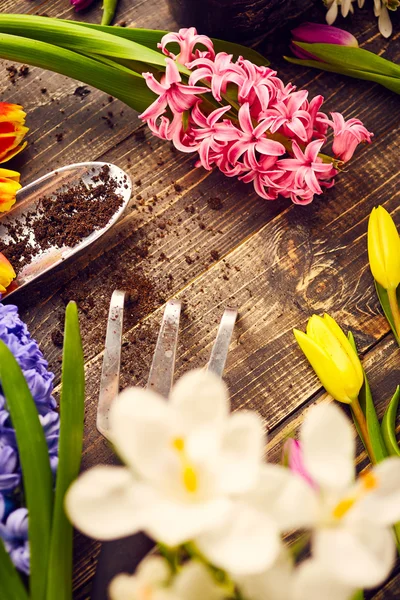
[11, 112]
[7, 273]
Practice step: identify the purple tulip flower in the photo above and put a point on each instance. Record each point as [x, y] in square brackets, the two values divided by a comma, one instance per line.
[80, 4]
[315, 33]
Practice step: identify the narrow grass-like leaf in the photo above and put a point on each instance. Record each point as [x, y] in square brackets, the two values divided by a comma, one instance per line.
[35, 464]
[389, 425]
[384, 300]
[129, 88]
[11, 586]
[391, 83]
[152, 37]
[59, 582]
[69, 34]
[368, 408]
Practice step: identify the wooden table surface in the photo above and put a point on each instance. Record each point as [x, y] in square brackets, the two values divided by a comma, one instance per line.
[212, 242]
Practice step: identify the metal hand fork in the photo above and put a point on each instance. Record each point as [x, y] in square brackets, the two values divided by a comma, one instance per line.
[124, 555]
[162, 368]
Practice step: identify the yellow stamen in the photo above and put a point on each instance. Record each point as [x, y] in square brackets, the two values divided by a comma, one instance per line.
[190, 479]
[343, 507]
[369, 481]
[179, 444]
[188, 472]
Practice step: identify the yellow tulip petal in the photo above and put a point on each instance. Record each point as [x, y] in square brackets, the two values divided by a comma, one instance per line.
[348, 349]
[8, 174]
[327, 371]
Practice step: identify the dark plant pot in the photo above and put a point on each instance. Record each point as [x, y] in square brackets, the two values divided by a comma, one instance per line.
[245, 21]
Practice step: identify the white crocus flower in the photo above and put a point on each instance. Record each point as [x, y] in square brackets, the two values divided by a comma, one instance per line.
[153, 580]
[187, 461]
[351, 539]
[275, 583]
[346, 7]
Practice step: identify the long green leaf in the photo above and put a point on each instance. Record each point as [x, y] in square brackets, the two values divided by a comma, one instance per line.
[35, 463]
[352, 58]
[384, 301]
[69, 34]
[368, 408]
[129, 88]
[389, 425]
[11, 584]
[390, 83]
[152, 37]
[59, 586]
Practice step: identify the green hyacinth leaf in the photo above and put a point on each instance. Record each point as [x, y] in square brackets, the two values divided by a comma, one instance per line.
[35, 465]
[12, 587]
[72, 406]
[389, 425]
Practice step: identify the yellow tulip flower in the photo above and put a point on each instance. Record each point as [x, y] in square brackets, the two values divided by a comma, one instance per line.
[9, 186]
[384, 248]
[332, 357]
[384, 256]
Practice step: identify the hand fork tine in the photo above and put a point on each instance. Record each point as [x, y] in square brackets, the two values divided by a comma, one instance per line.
[163, 364]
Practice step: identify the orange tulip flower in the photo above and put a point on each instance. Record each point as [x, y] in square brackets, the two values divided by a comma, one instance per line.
[7, 273]
[12, 130]
[9, 186]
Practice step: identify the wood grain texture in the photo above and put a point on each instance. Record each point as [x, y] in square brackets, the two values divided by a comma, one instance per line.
[277, 263]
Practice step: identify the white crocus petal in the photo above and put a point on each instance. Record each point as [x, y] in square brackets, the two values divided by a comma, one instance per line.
[346, 5]
[174, 523]
[384, 22]
[328, 447]
[246, 542]
[103, 503]
[201, 399]
[332, 13]
[142, 429]
[286, 497]
[272, 584]
[312, 581]
[195, 582]
[377, 7]
[149, 580]
[380, 494]
[361, 556]
[241, 452]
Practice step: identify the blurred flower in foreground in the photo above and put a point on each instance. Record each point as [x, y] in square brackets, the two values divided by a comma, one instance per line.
[7, 273]
[332, 357]
[9, 186]
[153, 580]
[353, 516]
[384, 257]
[12, 130]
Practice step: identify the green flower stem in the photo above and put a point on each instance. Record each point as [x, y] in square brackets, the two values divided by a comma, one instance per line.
[394, 307]
[362, 424]
[109, 7]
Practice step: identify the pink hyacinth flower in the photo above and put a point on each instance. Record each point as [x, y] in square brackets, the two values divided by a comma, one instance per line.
[294, 452]
[307, 166]
[291, 116]
[347, 135]
[219, 71]
[171, 92]
[212, 135]
[261, 175]
[252, 139]
[187, 39]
